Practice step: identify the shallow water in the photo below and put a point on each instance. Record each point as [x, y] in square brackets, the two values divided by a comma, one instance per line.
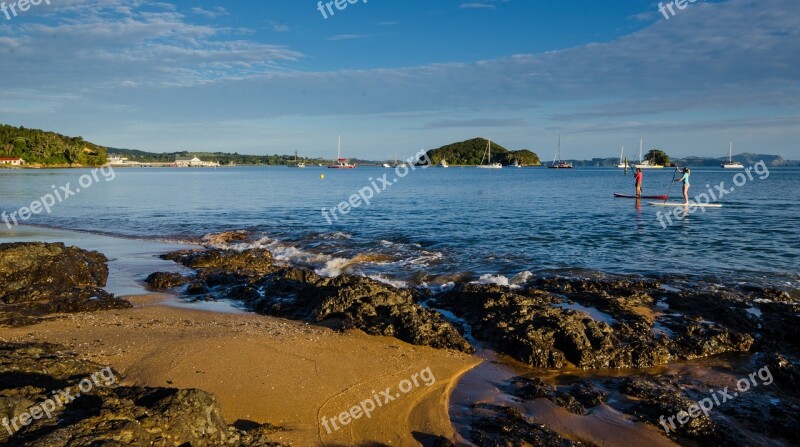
[436, 224]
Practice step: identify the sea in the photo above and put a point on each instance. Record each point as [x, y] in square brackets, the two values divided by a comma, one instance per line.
[428, 227]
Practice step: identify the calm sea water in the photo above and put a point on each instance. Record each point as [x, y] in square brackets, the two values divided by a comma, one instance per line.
[437, 223]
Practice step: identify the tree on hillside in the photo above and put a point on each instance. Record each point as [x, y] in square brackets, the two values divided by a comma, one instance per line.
[657, 157]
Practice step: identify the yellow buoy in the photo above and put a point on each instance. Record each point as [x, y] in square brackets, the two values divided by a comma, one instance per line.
[322, 176]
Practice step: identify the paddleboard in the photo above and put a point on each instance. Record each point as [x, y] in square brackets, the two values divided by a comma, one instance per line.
[626, 196]
[705, 205]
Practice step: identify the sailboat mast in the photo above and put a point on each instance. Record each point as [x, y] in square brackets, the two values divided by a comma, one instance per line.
[641, 145]
[730, 153]
[339, 149]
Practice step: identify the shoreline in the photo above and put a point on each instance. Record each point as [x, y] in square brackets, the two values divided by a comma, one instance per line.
[323, 372]
[309, 381]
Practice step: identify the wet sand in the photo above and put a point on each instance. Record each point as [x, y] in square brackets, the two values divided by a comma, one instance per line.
[267, 369]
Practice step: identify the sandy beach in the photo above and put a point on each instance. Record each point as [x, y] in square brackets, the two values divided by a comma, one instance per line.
[265, 369]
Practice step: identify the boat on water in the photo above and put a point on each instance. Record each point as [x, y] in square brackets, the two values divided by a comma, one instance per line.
[645, 164]
[386, 165]
[732, 164]
[558, 163]
[341, 163]
[297, 163]
[444, 164]
[397, 162]
[516, 164]
[488, 156]
[623, 163]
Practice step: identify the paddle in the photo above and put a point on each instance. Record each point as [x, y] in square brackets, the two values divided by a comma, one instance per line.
[670, 184]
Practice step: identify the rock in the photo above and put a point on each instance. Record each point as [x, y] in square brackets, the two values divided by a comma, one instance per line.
[165, 280]
[344, 302]
[354, 302]
[531, 328]
[252, 261]
[34, 271]
[106, 414]
[38, 279]
[786, 372]
[500, 426]
[576, 399]
[196, 288]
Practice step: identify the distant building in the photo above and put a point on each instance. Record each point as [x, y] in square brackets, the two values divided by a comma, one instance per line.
[194, 162]
[12, 161]
[116, 160]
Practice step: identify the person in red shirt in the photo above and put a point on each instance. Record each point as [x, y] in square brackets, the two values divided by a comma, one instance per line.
[638, 182]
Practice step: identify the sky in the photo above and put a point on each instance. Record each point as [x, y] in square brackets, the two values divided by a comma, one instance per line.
[392, 76]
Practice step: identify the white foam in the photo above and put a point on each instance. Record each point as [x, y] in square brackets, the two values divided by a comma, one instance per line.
[517, 281]
[392, 282]
[488, 278]
[334, 267]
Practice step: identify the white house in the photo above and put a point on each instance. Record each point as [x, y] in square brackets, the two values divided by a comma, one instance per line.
[194, 162]
[12, 161]
[116, 160]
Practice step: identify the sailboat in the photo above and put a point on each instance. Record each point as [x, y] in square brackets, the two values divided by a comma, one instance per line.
[645, 164]
[558, 163]
[341, 163]
[622, 162]
[297, 163]
[444, 164]
[396, 162]
[488, 156]
[516, 164]
[732, 164]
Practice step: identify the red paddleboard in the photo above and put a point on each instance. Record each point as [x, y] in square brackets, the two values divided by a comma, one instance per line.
[625, 196]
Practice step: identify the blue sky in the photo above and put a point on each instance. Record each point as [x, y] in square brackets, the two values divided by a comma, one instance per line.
[398, 76]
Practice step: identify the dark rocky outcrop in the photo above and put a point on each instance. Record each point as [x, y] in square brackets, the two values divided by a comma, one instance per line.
[530, 327]
[252, 261]
[344, 302]
[38, 279]
[32, 271]
[576, 399]
[165, 280]
[107, 413]
[550, 330]
[500, 426]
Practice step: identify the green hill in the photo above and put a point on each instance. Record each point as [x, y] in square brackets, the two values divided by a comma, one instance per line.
[470, 152]
[41, 148]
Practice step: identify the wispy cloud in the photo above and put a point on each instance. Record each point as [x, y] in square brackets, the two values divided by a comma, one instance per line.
[486, 4]
[350, 36]
[213, 13]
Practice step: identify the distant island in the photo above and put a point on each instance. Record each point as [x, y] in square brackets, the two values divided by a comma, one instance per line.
[471, 152]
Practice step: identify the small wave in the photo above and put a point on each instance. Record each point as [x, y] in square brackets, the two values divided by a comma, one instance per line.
[337, 266]
[392, 282]
[517, 281]
[336, 236]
